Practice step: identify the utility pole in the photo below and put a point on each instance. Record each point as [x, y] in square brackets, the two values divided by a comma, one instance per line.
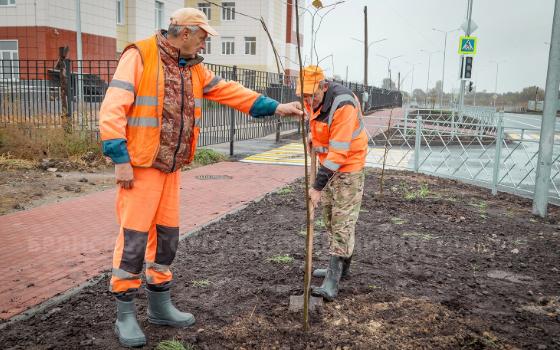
[544, 163]
[365, 48]
[467, 33]
[399, 85]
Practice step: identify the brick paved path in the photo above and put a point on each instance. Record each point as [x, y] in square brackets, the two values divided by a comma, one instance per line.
[50, 249]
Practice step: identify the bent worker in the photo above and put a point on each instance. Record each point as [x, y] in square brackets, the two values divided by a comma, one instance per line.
[149, 124]
[338, 137]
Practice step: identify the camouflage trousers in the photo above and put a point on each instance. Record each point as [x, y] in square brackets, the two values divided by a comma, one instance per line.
[342, 199]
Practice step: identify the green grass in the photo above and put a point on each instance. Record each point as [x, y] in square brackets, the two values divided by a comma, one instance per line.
[398, 221]
[281, 259]
[284, 191]
[421, 193]
[319, 223]
[204, 156]
[481, 206]
[422, 236]
[173, 345]
[200, 283]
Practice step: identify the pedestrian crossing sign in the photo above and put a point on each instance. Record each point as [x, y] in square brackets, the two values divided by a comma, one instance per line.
[467, 45]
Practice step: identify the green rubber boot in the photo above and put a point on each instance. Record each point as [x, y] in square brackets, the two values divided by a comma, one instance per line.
[345, 269]
[162, 311]
[329, 288]
[126, 327]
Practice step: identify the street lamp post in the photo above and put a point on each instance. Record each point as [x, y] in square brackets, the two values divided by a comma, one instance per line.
[368, 46]
[496, 80]
[389, 59]
[445, 32]
[430, 53]
[412, 81]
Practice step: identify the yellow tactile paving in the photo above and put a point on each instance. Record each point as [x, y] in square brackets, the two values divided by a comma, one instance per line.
[292, 154]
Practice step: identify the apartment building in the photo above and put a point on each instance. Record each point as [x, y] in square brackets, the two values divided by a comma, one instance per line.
[243, 41]
[35, 29]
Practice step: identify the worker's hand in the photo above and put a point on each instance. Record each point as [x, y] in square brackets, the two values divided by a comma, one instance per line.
[289, 109]
[315, 197]
[123, 175]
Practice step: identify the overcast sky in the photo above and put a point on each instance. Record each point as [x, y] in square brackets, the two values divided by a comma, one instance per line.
[512, 32]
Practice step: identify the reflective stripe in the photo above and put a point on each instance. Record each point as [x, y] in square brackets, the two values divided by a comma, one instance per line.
[197, 122]
[197, 102]
[357, 132]
[331, 165]
[149, 279]
[125, 275]
[321, 149]
[342, 146]
[212, 83]
[157, 267]
[338, 100]
[145, 101]
[121, 84]
[143, 121]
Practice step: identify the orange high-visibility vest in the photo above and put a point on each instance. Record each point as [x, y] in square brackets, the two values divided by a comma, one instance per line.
[141, 123]
[338, 133]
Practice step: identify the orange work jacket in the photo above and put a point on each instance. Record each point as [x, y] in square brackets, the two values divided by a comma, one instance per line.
[131, 114]
[337, 131]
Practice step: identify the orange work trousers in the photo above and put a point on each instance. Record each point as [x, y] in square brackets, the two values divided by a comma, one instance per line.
[148, 215]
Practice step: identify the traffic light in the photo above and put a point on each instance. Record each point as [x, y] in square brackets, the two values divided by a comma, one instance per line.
[468, 67]
[470, 86]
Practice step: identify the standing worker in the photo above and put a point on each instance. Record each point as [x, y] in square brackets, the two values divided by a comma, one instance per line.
[149, 124]
[340, 141]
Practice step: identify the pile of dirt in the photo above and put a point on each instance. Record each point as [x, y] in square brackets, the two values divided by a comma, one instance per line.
[437, 265]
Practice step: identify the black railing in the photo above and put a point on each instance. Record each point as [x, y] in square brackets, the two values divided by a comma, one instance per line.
[42, 94]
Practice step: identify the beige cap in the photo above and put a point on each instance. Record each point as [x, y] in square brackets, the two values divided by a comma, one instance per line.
[189, 16]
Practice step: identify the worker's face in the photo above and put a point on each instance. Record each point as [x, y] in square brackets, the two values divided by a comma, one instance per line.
[193, 42]
[314, 100]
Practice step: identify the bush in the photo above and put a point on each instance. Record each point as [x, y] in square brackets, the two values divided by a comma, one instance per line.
[205, 156]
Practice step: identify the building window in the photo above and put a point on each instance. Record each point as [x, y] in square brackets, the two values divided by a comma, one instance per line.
[228, 11]
[205, 7]
[207, 47]
[159, 15]
[250, 45]
[7, 2]
[120, 12]
[9, 68]
[228, 46]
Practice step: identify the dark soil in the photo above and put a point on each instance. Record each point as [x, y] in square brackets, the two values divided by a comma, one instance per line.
[454, 268]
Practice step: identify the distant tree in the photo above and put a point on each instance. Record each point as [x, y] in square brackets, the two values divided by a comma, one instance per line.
[419, 95]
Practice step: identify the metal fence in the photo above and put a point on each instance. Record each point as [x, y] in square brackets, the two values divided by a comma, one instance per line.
[37, 94]
[494, 151]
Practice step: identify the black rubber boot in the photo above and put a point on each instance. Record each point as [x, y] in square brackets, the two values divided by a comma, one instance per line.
[162, 311]
[345, 269]
[126, 327]
[329, 288]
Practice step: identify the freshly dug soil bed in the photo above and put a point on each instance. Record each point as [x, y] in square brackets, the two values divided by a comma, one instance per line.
[437, 265]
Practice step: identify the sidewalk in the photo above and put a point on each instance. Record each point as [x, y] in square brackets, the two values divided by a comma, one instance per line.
[50, 249]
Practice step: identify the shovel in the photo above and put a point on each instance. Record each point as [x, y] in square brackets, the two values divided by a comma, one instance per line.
[306, 302]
